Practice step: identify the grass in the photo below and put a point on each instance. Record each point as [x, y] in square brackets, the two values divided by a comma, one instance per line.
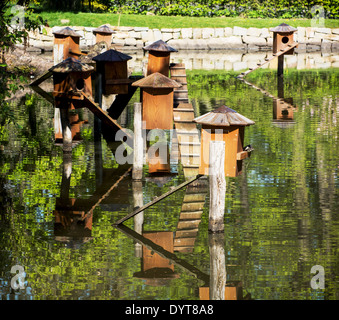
[97, 19]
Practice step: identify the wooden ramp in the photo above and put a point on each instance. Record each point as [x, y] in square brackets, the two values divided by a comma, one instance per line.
[44, 77]
[105, 118]
[178, 73]
[188, 139]
[190, 216]
[267, 60]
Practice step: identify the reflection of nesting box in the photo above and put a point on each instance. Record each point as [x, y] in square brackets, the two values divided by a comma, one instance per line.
[66, 44]
[112, 65]
[71, 223]
[223, 124]
[103, 33]
[282, 37]
[157, 100]
[154, 267]
[159, 57]
[283, 109]
[71, 78]
[232, 292]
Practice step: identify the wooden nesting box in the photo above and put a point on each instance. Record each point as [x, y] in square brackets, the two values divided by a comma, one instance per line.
[282, 37]
[70, 79]
[283, 109]
[159, 57]
[66, 44]
[103, 33]
[113, 67]
[157, 100]
[223, 124]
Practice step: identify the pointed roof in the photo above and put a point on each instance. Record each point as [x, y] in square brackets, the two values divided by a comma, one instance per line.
[156, 80]
[67, 32]
[159, 45]
[71, 65]
[223, 117]
[111, 56]
[283, 28]
[103, 29]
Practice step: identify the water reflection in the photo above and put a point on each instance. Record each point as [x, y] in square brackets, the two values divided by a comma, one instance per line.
[281, 214]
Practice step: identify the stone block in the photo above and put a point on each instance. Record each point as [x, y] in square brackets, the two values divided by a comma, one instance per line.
[197, 33]
[219, 32]
[309, 32]
[265, 33]
[147, 35]
[157, 34]
[255, 32]
[207, 33]
[228, 31]
[140, 29]
[252, 40]
[238, 31]
[130, 42]
[167, 36]
[335, 31]
[186, 33]
[323, 30]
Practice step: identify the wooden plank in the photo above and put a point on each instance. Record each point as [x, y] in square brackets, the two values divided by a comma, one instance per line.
[188, 224]
[180, 242]
[183, 249]
[192, 206]
[189, 233]
[187, 215]
[163, 196]
[242, 155]
[44, 77]
[103, 116]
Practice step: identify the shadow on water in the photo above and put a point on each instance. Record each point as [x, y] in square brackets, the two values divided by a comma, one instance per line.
[281, 215]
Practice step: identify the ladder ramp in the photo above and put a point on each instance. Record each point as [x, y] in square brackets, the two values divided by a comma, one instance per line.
[267, 60]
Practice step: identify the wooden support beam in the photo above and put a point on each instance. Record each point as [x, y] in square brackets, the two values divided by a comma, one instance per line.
[163, 196]
[138, 155]
[44, 77]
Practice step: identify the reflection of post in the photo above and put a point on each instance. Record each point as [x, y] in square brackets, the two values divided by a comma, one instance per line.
[66, 176]
[139, 218]
[280, 87]
[138, 143]
[98, 163]
[217, 266]
[66, 129]
[217, 186]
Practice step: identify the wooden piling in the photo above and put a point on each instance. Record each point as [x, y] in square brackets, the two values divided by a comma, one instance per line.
[97, 99]
[280, 66]
[217, 266]
[138, 200]
[217, 186]
[138, 155]
[66, 129]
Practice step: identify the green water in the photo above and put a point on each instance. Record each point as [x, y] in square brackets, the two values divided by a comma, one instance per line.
[281, 213]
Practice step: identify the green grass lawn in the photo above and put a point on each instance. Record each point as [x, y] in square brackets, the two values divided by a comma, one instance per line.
[97, 19]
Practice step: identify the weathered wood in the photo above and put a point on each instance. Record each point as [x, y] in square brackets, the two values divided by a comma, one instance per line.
[66, 129]
[280, 69]
[138, 155]
[98, 100]
[217, 186]
[44, 77]
[163, 196]
[217, 266]
[242, 155]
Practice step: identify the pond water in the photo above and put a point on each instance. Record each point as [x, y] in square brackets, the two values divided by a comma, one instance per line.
[281, 213]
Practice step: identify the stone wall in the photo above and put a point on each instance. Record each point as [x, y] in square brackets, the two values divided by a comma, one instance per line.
[236, 38]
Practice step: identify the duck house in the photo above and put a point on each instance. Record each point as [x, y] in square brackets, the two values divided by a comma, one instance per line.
[66, 44]
[282, 38]
[157, 100]
[103, 33]
[223, 124]
[71, 78]
[159, 57]
[112, 65]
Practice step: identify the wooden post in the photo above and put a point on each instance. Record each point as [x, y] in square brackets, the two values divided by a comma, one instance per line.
[139, 218]
[217, 186]
[217, 266]
[66, 129]
[281, 65]
[138, 155]
[280, 87]
[98, 99]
